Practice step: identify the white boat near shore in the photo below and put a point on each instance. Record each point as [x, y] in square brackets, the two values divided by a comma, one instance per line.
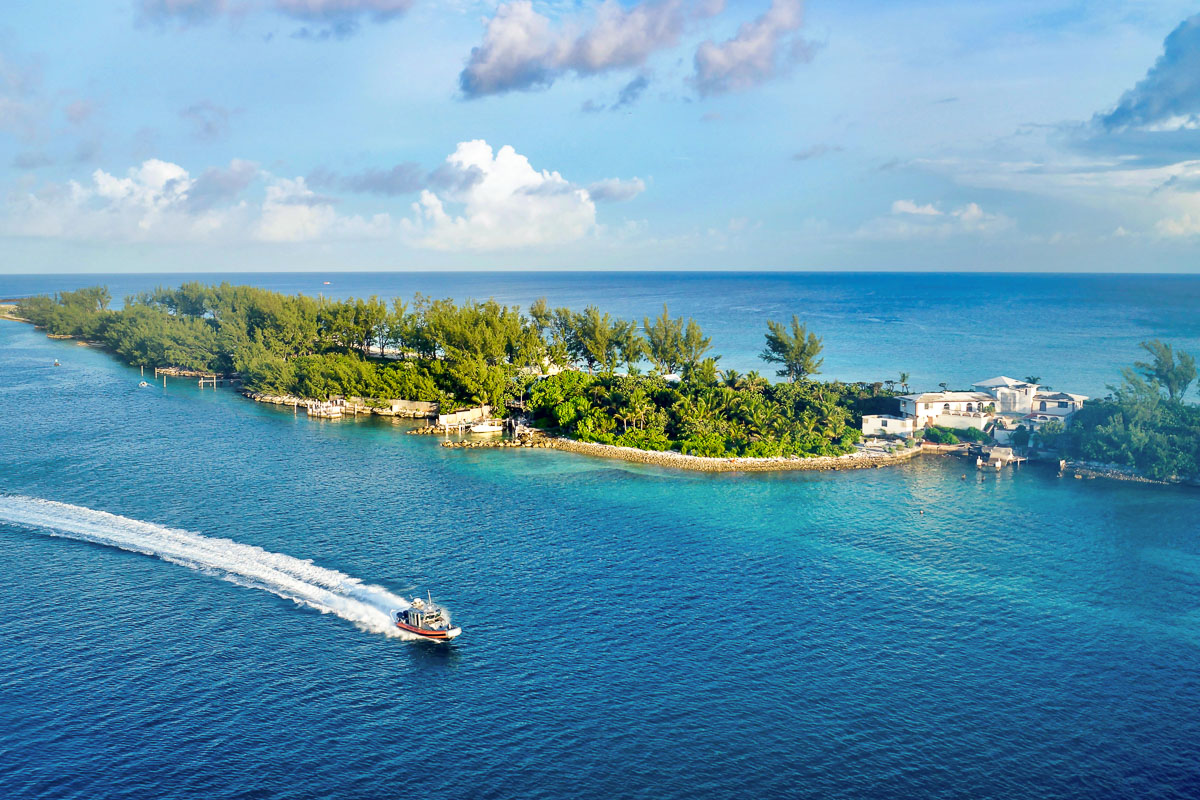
[487, 427]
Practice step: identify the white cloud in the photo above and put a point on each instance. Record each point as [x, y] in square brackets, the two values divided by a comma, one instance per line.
[522, 50]
[1184, 226]
[160, 201]
[616, 190]
[511, 205]
[294, 213]
[910, 207]
[909, 220]
[763, 48]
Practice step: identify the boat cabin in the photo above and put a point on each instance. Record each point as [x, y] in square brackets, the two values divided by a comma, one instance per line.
[427, 618]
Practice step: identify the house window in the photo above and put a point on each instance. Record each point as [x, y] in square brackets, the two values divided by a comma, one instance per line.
[946, 407]
[1063, 404]
[970, 407]
[1042, 407]
[883, 423]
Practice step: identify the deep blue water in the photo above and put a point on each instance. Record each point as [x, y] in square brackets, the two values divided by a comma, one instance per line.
[1075, 332]
[629, 632]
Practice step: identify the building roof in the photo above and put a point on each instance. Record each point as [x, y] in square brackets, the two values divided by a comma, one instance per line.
[1005, 381]
[1059, 396]
[885, 416]
[950, 397]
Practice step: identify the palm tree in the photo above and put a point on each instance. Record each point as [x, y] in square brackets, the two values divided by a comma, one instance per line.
[640, 407]
[945, 386]
[732, 379]
[754, 381]
[904, 381]
[1034, 379]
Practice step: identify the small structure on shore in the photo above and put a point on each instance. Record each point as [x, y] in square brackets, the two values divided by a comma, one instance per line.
[887, 425]
[997, 458]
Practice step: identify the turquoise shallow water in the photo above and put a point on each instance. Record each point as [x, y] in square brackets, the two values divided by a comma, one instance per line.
[630, 632]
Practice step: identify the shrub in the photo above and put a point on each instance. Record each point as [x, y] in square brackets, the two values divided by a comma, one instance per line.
[939, 435]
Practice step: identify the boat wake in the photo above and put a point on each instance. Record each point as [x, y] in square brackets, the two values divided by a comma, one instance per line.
[298, 580]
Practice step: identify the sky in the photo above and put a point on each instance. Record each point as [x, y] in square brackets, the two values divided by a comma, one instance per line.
[252, 135]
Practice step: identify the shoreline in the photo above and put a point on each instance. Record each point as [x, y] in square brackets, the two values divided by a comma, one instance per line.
[674, 460]
[669, 459]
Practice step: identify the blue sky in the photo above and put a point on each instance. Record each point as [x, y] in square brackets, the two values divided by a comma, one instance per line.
[183, 135]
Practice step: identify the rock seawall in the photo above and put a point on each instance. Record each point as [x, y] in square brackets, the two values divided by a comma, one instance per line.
[673, 460]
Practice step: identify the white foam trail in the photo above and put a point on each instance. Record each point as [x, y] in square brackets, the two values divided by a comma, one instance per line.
[299, 580]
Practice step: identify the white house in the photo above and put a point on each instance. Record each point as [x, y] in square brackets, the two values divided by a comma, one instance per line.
[1011, 396]
[959, 410]
[1055, 405]
[1018, 402]
[886, 425]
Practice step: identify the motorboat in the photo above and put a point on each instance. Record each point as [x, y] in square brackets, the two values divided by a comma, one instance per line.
[426, 619]
[487, 427]
[143, 385]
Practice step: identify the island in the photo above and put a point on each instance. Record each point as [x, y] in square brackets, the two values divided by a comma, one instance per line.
[649, 390]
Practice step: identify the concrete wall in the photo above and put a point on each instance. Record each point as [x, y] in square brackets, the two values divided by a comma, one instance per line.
[961, 421]
[414, 406]
[467, 415]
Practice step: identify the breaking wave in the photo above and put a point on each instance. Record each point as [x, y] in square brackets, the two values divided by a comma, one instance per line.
[295, 579]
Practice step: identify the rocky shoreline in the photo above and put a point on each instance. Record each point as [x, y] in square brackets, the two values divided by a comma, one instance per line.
[673, 460]
[1116, 472]
[353, 409]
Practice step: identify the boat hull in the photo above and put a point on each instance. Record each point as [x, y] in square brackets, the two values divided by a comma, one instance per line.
[437, 636]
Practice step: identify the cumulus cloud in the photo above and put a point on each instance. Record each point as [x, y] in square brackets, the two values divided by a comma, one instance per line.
[292, 212]
[218, 185]
[1168, 97]
[160, 201]
[910, 220]
[522, 50]
[616, 190]
[763, 48]
[512, 205]
[910, 207]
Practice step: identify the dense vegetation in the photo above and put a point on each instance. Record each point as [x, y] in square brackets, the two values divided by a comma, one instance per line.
[1145, 423]
[581, 372]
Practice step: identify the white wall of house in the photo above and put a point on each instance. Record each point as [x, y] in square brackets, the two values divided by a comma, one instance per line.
[1057, 408]
[935, 405]
[961, 420]
[1013, 400]
[886, 425]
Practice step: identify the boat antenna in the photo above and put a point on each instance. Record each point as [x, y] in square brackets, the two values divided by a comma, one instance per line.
[429, 594]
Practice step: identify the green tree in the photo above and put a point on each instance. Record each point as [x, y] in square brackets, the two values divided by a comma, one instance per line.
[1172, 372]
[664, 340]
[795, 350]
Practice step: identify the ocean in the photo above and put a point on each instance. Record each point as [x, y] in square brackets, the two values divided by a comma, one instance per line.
[195, 587]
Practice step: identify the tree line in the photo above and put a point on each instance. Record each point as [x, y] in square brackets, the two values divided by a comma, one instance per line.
[1145, 423]
[654, 383]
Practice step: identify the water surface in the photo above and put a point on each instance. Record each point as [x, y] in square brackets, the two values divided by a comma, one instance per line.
[629, 632]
